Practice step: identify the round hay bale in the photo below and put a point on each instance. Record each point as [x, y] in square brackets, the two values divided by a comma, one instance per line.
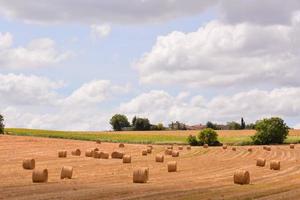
[96, 149]
[205, 146]
[180, 147]
[121, 145]
[260, 162]
[96, 154]
[144, 152]
[127, 159]
[168, 152]
[275, 164]
[141, 175]
[89, 153]
[150, 146]
[77, 152]
[104, 155]
[224, 146]
[172, 166]
[233, 148]
[169, 147]
[250, 149]
[268, 148]
[149, 150]
[175, 153]
[117, 155]
[292, 146]
[241, 177]
[40, 175]
[159, 158]
[29, 163]
[66, 172]
[98, 141]
[188, 147]
[62, 154]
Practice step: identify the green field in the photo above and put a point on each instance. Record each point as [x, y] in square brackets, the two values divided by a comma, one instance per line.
[155, 137]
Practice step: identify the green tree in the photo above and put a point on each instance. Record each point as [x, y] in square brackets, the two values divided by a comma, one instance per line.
[270, 131]
[142, 124]
[211, 125]
[243, 124]
[192, 140]
[1, 124]
[119, 121]
[133, 120]
[208, 136]
[233, 126]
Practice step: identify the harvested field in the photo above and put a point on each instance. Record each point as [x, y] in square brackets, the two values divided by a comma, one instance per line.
[202, 173]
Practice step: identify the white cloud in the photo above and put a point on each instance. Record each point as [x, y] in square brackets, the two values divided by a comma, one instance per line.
[38, 53]
[6, 40]
[100, 31]
[160, 106]
[99, 11]
[221, 54]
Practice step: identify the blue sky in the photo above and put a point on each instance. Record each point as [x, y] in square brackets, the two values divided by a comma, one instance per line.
[166, 60]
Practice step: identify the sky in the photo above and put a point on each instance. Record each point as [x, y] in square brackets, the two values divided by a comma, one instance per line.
[72, 64]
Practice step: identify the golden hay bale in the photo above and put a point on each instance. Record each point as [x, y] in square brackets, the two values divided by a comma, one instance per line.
[275, 164]
[169, 147]
[62, 154]
[292, 146]
[77, 152]
[233, 148]
[168, 152]
[98, 141]
[89, 153]
[141, 175]
[224, 146]
[267, 148]
[96, 154]
[149, 150]
[104, 155]
[117, 154]
[260, 162]
[127, 159]
[241, 177]
[159, 158]
[144, 152]
[250, 149]
[172, 166]
[66, 172]
[121, 145]
[188, 147]
[40, 175]
[175, 153]
[264, 147]
[150, 146]
[180, 147]
[205, 146]
[96, 149]
[29, 164]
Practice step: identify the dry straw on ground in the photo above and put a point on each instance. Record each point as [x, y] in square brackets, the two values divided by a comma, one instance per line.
[261, 162]
[159, 158]
[77, 152]
[29, 163]
[241, 177]
[117, 154]
[40, 175]
[62, 154]
[175, 153]
[141, 175]
[172, 166]
[66, 172]
[127, 159]
[275, 164]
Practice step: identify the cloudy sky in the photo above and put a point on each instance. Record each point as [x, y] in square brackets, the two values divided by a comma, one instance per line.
[72, 64]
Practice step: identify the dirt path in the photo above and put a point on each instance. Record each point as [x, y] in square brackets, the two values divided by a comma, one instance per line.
[203, 173]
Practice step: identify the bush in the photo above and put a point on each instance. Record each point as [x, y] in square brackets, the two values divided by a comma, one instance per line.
[270, 131]
[208, 136]
[192, 140]
[141, 124]
[1, 124]
[118, 122]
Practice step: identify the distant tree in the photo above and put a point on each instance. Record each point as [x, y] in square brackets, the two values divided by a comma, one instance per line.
[133, 120]
[142, 124]
[270, 131]
[250, 126]
[211, 125]
[208, 136]
[233, 126]
[1, 124]
[119, 121]
[177, 126]
[160, 126]
[243, 124]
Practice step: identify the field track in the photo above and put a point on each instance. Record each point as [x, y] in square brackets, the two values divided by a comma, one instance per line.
[203, 173]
